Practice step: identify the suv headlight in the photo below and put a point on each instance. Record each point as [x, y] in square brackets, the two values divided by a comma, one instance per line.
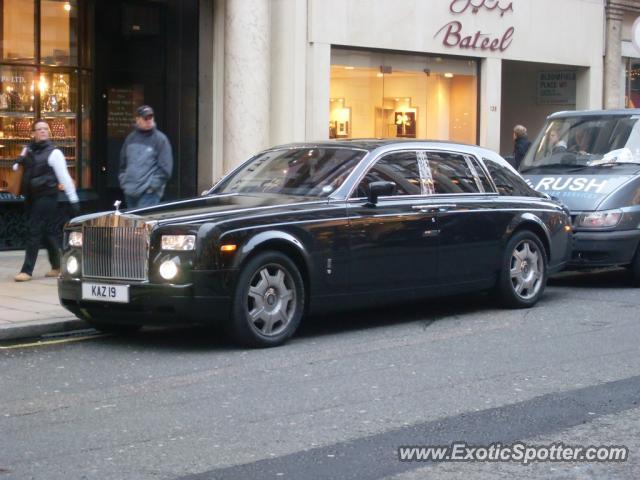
[75, 239]
[604, 219]
[178, 242]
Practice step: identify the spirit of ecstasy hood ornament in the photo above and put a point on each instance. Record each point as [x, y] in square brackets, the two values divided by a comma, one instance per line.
[117, 205]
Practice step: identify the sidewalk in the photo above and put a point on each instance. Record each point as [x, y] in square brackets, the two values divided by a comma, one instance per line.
[32, 308]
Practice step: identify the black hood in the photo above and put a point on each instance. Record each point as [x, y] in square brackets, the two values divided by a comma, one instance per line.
[212, 206]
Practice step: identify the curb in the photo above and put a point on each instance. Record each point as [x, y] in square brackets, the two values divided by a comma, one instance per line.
[36, 328]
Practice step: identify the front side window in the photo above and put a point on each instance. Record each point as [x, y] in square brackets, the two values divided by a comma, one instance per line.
[400, 168]
[300, 171]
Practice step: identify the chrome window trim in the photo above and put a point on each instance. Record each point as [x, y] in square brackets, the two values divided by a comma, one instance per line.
[383, 151]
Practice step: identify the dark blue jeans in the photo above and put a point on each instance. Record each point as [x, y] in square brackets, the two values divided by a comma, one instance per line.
[144, 200]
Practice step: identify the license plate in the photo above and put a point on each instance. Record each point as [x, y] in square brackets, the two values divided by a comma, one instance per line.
[105, 293]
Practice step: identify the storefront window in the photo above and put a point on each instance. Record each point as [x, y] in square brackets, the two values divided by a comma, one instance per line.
[59, 32]
[85, 119]
[632, 94]
[17, 113]
[402, 96]
[18, 32]
[52, 89]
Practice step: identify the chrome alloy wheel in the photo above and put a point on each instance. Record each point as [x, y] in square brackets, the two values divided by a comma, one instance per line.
[271, 300]
[526, 269]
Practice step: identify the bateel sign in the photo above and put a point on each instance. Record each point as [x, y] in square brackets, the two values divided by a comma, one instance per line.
[454, 34]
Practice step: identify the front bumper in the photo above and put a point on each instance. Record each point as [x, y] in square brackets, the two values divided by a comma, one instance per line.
[149, 303]
[603, 249]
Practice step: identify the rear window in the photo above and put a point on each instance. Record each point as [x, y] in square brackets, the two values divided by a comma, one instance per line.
[507, 182]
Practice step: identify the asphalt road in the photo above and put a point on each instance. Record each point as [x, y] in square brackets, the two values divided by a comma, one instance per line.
[340, 398]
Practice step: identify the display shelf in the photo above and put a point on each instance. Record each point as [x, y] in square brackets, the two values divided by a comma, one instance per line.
[56, 115]
[10, 114]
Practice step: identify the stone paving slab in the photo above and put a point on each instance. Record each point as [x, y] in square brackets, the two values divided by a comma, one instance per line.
[31, 308]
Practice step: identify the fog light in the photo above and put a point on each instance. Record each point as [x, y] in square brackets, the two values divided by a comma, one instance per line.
[72, 265]
[168, 269]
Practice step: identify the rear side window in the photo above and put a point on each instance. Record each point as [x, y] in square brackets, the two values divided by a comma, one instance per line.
[453, 173]
[507, 182]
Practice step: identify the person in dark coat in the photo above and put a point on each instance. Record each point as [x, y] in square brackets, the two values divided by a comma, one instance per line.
[521, 144]
[44, 169]
[146, 162]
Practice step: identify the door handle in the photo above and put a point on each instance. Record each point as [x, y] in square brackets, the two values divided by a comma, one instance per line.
[442, 207]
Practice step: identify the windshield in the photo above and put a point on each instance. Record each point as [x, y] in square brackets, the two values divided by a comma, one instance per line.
[294, 171]
[585, 141]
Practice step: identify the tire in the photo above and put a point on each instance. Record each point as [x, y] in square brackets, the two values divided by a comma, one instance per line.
[268, 301]
[523, 274]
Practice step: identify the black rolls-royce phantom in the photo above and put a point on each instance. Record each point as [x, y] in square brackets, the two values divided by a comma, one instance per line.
[309, 227]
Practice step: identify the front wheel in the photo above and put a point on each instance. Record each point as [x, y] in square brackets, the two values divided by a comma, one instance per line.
[268, 301]
[523, 275]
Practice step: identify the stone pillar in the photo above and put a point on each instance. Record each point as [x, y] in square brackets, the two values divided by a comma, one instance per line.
[247, 91]
[613, 87]
[490, 102]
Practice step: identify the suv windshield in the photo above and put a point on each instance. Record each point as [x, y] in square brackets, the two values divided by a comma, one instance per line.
[293, 171]
[584, 141]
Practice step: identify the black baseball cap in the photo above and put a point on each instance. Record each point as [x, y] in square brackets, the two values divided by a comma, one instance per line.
[144, 111]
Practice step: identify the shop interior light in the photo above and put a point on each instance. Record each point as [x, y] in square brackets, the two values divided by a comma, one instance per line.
[448, 75]
[67, 7]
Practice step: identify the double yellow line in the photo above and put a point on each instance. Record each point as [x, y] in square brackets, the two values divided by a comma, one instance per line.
[42, 343]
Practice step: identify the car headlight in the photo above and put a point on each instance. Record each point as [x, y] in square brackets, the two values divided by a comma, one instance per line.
[604, 219]
[75, 239]
[178, 242]
[168, 270]
[72, 265]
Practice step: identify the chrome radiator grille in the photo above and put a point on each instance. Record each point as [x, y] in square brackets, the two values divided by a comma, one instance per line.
[115, 252]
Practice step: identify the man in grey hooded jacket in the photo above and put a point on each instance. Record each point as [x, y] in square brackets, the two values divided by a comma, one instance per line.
[146, 162]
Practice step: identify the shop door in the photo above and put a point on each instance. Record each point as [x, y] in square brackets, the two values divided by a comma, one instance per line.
[144, 55]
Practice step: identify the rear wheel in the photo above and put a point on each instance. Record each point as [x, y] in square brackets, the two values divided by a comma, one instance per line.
[268, 301]
[524, 271]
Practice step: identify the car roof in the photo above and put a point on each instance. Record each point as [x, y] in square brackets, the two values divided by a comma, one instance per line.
[371, 144]
[594, 113]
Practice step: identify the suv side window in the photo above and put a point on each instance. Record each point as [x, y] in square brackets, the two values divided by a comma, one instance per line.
[507, 182]
[400, 168]
[453, 173]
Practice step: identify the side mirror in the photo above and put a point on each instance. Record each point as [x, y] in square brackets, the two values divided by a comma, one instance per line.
[379, 189]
